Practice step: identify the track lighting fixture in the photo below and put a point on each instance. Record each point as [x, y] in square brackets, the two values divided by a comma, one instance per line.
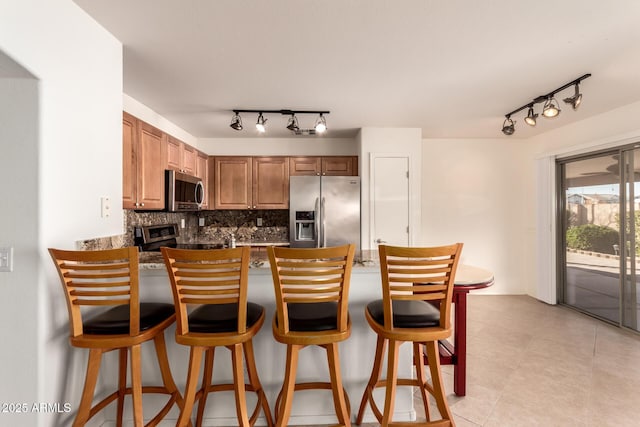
[576, 99]
[550, 108]
[320, 125]
[531, 117]
[236, 122]
[292, 125]
[508, 127]
[260, 124]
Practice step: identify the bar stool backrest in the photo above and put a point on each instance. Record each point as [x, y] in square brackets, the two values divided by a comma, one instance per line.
[418, 274]
[216, 276]
[311, 275]
[99, 278]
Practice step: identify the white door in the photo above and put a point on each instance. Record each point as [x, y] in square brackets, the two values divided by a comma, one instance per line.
[390, 201]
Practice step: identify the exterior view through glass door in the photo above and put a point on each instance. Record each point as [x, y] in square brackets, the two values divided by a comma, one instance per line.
[599, 224]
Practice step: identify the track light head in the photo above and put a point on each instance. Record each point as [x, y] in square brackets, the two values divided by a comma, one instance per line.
[236, 122]
[531, 117]
[550, 109]
[292, 125]
[321, 124]
[260, 124]
[508, 127]
[574, 100]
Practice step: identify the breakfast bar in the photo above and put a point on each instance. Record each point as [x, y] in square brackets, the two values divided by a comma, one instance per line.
[356, 353]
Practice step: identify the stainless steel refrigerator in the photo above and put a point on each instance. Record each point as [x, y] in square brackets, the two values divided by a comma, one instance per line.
[324, 211]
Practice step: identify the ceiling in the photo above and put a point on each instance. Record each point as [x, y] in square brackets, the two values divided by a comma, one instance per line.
[452, 68]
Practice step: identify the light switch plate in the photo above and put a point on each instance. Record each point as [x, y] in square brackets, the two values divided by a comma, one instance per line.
[6, 259]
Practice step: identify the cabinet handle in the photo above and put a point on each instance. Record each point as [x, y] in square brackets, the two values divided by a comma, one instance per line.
[141, 204]
[254, 207]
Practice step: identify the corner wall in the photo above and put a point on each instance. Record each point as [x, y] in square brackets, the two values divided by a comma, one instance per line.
[75, 157]
[479, 192]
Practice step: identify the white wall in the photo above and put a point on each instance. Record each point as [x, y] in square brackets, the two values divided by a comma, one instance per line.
[18, 210]
[477, 191]
[146, 114]
[262, 146]
[73, 156]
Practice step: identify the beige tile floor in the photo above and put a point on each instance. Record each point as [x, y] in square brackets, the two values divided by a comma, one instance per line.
[533, 364]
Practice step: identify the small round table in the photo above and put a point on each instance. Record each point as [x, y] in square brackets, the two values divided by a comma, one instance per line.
[468, 278]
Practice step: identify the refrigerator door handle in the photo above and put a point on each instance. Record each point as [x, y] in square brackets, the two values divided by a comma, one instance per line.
[324, 236]
[316, 217]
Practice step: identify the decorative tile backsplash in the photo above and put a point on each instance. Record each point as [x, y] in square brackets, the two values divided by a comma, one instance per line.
[218, 227]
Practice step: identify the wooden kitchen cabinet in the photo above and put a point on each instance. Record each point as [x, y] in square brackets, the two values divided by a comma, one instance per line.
[270, 183]
[180, 156]
[326, 165]
[144, 159]
[251, 182]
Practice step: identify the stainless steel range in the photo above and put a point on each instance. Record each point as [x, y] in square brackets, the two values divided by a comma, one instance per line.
[151, 238]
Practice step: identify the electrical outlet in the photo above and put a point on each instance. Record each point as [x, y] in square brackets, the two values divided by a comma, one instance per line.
[105, 204]
[201, 222]
[182, 225]
[6, 259]
[259, 222]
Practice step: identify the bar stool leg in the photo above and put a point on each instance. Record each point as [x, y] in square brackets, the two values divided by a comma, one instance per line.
[190, 389]
[255, 381]
[375, 376]
[288, 385]
[136, 385]
[339, 400]
[239, 386]
[206, 383]
[392, 376]
[436, 380]
[418, 361]
[122, 383]
[93, 368]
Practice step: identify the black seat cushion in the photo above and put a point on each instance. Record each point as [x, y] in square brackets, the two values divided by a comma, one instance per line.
[407, 314]
[212, 318]
[116, 320]
[309, 317]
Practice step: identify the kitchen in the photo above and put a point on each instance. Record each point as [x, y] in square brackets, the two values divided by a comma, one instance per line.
[64, 149]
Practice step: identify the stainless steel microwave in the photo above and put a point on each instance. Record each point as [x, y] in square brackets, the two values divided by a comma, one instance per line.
[183, 192]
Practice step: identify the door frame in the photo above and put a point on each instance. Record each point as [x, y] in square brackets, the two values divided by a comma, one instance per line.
[410, 200]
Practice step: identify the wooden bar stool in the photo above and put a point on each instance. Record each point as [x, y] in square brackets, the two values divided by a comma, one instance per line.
[210, 295]
[312, 288]
[109, 278]
[417, 287]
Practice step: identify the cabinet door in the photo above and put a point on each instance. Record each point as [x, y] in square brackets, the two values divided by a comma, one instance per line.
[174, 153]
[151, 157]
[309, 165]
[189, 156]
[129, 142]
[232, 183]
[340, 165]
[202, 172]
[270, 183]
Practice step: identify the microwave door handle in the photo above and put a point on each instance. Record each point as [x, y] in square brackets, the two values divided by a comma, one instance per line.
[316, 218]
[199, 189]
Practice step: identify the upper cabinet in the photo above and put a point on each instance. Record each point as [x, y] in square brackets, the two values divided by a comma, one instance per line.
[251, 182]
[180, 156]
[328, 165]
[144, 159]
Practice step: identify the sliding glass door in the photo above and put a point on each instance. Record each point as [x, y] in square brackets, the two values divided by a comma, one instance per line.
[599, 219]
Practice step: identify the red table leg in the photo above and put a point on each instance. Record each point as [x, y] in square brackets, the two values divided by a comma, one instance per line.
[460, 344]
